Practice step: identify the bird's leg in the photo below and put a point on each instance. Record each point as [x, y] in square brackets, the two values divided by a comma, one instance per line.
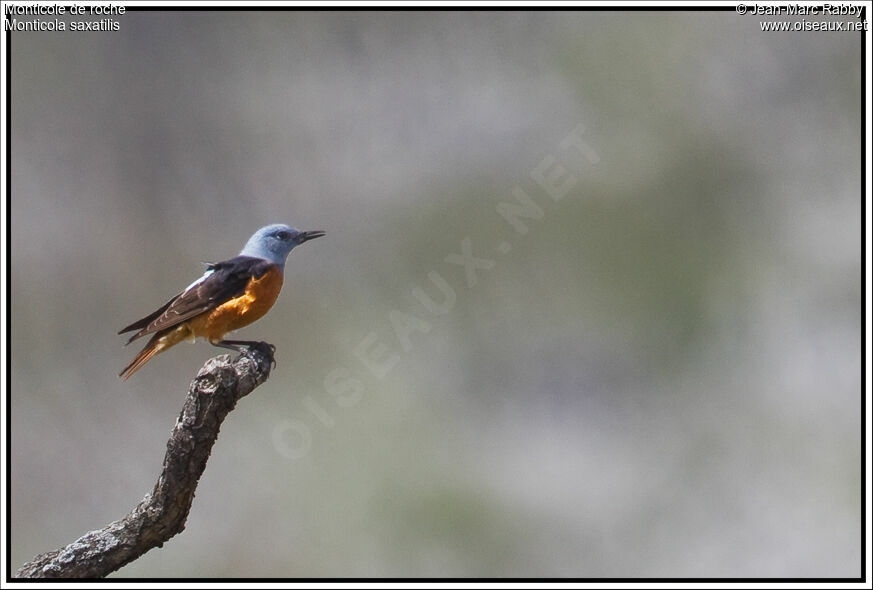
[242, 346]
[239, 345]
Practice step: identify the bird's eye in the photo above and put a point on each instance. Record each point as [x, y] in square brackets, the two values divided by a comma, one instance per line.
[284, 236]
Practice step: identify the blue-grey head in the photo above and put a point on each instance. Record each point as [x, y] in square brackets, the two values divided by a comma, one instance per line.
[274, 242]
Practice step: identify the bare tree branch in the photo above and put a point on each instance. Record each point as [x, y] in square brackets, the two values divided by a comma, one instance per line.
[160, 515]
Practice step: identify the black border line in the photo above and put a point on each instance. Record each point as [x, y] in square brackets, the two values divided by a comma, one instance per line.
[260, 8]
[8, 328]
[864, 98]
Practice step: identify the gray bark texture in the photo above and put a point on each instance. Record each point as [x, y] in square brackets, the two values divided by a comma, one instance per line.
[160, 515]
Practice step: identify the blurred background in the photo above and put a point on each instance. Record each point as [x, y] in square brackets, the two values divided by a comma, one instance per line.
[660, 376]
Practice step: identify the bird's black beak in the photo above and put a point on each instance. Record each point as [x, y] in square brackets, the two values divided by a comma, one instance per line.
[305, 236]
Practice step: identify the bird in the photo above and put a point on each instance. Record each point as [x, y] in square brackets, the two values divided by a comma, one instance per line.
[230, 295]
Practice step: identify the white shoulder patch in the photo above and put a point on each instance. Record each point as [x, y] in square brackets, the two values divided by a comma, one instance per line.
[198, 281]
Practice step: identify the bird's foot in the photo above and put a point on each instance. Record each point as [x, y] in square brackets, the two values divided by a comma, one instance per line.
[267, 349]
[244, 346]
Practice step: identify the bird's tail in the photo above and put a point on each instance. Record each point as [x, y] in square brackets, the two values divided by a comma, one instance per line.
[154, 346]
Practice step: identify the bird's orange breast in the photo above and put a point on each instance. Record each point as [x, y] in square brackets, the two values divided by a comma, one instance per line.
[258, 298]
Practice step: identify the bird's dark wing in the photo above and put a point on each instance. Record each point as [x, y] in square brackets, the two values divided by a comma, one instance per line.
[221, 283]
